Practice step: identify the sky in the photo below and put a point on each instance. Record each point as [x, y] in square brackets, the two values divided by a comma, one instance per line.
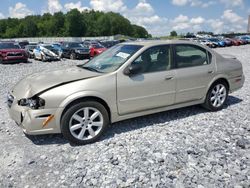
[159, 17]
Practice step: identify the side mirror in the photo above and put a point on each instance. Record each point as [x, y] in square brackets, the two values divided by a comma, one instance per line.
[133, 69]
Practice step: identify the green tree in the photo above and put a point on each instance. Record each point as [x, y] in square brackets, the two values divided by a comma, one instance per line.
[173, 34]
[29, 27]
[140, 32]
[75, 24]
[56, 24]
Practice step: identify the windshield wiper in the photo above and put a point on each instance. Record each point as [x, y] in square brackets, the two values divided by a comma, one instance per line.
[90, 69]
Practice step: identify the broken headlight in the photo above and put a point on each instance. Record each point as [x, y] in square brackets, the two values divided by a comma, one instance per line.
[34, 102]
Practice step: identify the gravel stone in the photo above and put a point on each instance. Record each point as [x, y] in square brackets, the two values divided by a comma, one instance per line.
[187, 147]
[242, 143]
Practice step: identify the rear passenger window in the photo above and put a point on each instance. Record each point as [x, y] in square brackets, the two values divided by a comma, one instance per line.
[190, 55]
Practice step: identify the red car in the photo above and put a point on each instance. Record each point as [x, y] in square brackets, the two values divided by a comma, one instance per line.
[12, 53]
[235, 42]
[96, 49]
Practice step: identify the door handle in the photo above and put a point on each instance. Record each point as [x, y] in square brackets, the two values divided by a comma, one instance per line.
[210, 72]
[169, 77]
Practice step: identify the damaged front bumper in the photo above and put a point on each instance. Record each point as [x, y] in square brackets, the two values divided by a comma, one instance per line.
[33, 121]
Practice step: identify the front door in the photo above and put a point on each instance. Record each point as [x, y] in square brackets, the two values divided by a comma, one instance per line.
[153, 87]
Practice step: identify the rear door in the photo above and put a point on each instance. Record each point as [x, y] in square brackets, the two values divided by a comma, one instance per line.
[194, 71]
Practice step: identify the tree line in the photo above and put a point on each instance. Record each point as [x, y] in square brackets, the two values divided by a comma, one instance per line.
[71, 24]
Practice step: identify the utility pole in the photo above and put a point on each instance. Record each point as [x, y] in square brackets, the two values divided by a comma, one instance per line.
[248, 27]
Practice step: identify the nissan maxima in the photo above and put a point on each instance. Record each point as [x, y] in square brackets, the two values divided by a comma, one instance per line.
[126, 81]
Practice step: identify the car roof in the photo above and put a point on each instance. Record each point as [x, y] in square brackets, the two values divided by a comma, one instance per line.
[159, 42]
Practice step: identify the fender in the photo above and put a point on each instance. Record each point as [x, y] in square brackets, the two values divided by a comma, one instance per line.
[82, 94]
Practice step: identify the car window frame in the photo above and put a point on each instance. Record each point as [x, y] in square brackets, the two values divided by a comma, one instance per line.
[160, 45]
[196, 46]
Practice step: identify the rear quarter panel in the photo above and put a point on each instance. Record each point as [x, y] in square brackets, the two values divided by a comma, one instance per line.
[231, 69]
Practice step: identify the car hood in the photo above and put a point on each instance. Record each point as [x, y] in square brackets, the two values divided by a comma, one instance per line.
[100, 49]
[11, 50]
[38, 83]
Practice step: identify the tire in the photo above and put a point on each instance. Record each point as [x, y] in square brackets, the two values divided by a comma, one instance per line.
[217, 92]
[77, 129]
[43, 59]
[72, 56]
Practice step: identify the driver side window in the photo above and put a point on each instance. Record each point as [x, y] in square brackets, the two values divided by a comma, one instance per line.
[155, 59]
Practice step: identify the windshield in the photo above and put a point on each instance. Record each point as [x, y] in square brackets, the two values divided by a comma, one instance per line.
[75, 45]
[112, 59]
[49, 47]
[31, 47]
[9, 46]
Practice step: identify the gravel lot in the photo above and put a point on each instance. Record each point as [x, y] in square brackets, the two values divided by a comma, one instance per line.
[188, 147]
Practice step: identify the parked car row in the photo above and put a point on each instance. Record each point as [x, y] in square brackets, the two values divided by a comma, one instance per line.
[14, 52]
[214, 42]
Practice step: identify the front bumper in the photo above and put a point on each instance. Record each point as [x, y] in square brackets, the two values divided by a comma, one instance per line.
[14, 60]
[31, 121]
[82, 55]
[52, 58]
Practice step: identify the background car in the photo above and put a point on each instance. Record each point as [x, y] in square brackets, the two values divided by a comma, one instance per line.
[243, 39]
[45, 52]
[12, 53]
[23, 43]
[208, 43]
[217, 42]
[235, 42]
[30, 50]
[58, 48]
[95, 48]
[75, 50]
[109, 43]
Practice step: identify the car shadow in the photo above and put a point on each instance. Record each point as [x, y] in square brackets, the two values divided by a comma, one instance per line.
[15, 63]
[134, 123]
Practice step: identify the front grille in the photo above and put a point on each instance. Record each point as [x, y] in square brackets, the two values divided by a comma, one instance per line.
[83, 51]
[10, 99]
[14, 54]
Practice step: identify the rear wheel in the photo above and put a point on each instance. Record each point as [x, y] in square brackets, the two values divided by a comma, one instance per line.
[216, 96]
[84, 122]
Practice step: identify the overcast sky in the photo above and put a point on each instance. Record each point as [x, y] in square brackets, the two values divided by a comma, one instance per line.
[159, 17]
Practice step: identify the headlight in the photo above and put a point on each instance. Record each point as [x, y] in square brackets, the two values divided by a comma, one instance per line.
[34, 102]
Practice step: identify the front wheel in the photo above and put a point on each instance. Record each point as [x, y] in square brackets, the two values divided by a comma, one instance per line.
[84, 122]
[72, 56]
[43, 58]
[216, 96]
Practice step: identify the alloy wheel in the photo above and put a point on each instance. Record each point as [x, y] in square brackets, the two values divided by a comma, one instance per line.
[86, 123]
[218, 95]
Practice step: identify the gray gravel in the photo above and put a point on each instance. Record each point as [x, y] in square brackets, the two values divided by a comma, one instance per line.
[188, 147]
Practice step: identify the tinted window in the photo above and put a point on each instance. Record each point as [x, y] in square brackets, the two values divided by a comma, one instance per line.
[155, 59]
[190, 55]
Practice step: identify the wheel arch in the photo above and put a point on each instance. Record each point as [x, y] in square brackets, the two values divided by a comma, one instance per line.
[87, 98]
[218, 79]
